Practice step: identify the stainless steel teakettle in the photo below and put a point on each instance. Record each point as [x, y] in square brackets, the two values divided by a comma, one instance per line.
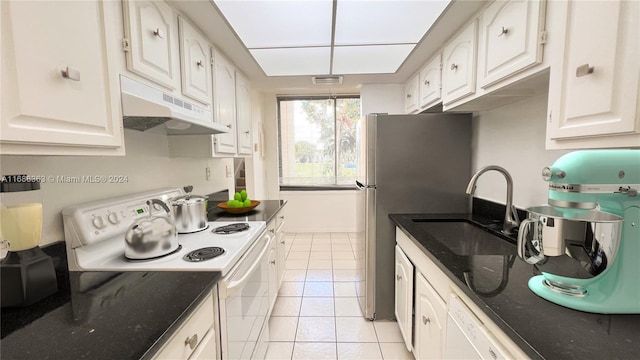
[190, 212]
[153, 236]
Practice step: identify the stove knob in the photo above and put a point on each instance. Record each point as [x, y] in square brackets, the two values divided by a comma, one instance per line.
[98, 222]
[113, 218]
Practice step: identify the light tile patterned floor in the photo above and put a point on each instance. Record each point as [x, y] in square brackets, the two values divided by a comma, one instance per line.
[317, 315]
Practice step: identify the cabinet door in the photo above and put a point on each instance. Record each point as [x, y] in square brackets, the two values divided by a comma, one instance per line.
[225, 104]
[57, 87]
[404, 296]
[431, 317]
[459, 66]
[510, 39]
[243, 115]
[411, 95]
[594, 91]
[151, 45]
[431, 83]
[195, 56]
[274, 285]
[282, 249]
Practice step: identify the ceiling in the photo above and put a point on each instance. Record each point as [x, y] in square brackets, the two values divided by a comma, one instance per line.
[209, 18]
[330, 37]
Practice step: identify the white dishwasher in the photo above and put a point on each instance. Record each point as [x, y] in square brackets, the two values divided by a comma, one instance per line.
[466, 337]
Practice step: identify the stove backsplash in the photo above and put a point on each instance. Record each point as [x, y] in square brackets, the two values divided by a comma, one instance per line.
[146, 166]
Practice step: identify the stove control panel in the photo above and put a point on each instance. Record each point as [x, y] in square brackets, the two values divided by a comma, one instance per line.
[91, 223]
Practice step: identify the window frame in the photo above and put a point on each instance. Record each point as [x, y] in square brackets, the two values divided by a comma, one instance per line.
[317, 187]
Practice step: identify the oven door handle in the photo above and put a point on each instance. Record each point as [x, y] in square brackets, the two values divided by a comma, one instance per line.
[238, 283]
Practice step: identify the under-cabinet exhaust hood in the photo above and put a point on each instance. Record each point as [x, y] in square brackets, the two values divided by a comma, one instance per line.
[145, 107]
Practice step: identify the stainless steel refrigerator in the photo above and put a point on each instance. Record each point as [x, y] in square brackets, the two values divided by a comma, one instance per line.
[408, 164]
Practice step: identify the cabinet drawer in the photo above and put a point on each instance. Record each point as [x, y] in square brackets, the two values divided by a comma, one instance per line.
[191, 334]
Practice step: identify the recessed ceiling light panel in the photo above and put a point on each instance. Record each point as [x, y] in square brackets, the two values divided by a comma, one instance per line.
[385, 22]
[373, 59]
[293, 61]
[280, 23]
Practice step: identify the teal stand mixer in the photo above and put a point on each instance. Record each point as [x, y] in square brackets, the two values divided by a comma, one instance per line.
[586, 242]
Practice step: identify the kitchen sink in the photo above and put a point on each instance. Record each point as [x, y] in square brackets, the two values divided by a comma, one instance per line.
[464, 237]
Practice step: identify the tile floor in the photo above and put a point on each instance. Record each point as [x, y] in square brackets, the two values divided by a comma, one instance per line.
[316, 315]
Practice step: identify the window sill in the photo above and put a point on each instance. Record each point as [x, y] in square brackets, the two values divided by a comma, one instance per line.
[316, 187]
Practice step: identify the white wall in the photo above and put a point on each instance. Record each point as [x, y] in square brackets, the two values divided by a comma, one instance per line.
[147, 166]
[321, 211]
[513, 137]
[382, 98]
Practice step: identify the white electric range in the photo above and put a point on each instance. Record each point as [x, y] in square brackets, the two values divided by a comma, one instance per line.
[94, 235]
[95, 241]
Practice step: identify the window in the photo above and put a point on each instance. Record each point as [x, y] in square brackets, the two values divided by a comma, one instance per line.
[318, 137]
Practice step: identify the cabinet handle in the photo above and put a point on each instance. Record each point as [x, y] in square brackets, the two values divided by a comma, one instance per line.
[158, 33]
[426, 82]
[584, 70]
[229, 126]
[70, 74]
[272, 262]
[272, 231]
[246, 132]
[282, 242]
[192, 341]
[199, 63]
[425, 320]
[408, 96]
[398, 277]
[454, 66]
[504, 31]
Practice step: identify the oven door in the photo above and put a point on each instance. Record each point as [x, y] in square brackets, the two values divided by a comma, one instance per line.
[244, 302]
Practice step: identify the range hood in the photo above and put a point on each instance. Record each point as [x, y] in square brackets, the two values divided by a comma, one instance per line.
[145, 107]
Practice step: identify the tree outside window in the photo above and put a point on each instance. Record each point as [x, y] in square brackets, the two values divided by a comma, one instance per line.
[318, 137]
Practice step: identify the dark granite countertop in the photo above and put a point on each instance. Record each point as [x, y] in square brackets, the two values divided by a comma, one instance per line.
[263, 212]
[103, 315]
[542, 329]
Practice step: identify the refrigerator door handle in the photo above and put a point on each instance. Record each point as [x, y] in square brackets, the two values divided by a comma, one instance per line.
[364, 187]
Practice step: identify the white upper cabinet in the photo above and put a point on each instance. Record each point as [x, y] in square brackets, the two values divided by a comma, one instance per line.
[195, 63]
[411, 95]
[459, 65]
[430, 84]
[511, 39]
[58, 91]
[225, 104]
[593, 90]
[151, 41]
[243, 115]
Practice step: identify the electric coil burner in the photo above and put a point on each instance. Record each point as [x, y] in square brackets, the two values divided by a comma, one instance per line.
[204, 254]
[231, 229]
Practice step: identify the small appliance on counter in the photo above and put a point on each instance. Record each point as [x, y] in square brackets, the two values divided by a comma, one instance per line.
[189, 211]
[27, 274]
[586, 243]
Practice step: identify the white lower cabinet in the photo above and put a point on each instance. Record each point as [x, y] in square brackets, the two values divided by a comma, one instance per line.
[428, 299]
[281, 246]
[404, 296]
[196, 337]
[274, 285]
[430, 320]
